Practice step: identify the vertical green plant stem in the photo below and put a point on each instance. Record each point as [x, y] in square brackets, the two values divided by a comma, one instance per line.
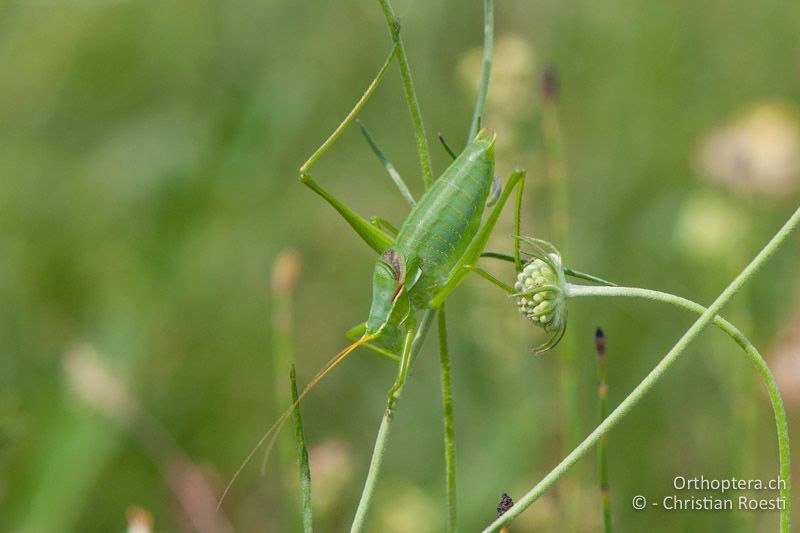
[411, 94]
[743, 413]
[449, 427]
[553, 141]
[556, 166]
[755, 357]
[285, 271]
[381, 441]
[302, 452]
[486, 68]
[557, 178]
[518, 226]
[602, 396]
[652, 378]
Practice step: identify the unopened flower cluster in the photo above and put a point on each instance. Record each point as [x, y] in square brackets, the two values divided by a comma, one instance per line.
[536, 300]
[541, 295]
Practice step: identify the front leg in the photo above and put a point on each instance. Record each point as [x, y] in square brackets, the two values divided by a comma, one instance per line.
[405, 363]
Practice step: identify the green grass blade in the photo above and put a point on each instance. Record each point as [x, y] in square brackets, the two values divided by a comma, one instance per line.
[390, 169]
[302, 452]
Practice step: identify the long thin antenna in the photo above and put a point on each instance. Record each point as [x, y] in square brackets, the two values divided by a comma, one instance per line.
[276, 426]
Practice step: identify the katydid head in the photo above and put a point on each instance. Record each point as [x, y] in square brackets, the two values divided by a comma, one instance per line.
[394, 276]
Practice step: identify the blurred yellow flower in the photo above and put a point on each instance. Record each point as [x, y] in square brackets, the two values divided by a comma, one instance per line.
[708, 227]
[409, 509]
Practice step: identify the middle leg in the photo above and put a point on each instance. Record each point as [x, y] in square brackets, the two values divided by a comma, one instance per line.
[475, 249]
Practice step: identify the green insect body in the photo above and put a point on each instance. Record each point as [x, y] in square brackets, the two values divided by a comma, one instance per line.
[433, 251]
[434, 236]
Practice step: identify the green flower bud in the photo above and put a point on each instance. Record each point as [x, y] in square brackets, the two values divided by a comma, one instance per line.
[541, 291]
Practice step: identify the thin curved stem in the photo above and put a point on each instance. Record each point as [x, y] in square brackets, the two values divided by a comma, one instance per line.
[411, 94]
[449, 426]
[381, 441]
[651, 379]
[568, 271]
[751, 351]
[491, 279]
[486, 68]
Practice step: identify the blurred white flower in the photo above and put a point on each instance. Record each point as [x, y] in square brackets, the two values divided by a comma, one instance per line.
[139, 520]
[708, 227]
[285, 271]
[93, 382]
[332, 467]
[409, 509]
[514, 87]
[757, 151]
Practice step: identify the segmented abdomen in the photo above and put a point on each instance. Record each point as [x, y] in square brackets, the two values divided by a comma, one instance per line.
[447, 217]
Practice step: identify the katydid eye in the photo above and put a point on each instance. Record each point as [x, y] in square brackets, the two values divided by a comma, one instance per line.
[395, 263]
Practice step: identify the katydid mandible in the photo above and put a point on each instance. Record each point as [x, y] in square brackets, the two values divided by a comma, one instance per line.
[434, 249]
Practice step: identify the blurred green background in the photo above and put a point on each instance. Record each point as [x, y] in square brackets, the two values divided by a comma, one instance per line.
[148, 162]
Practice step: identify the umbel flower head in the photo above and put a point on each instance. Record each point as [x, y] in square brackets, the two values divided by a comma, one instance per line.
[542, 291]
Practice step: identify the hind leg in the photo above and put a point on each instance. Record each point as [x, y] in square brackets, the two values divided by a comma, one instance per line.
[373, 236]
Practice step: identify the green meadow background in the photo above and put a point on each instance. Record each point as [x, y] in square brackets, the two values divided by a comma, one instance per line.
[148, 182]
